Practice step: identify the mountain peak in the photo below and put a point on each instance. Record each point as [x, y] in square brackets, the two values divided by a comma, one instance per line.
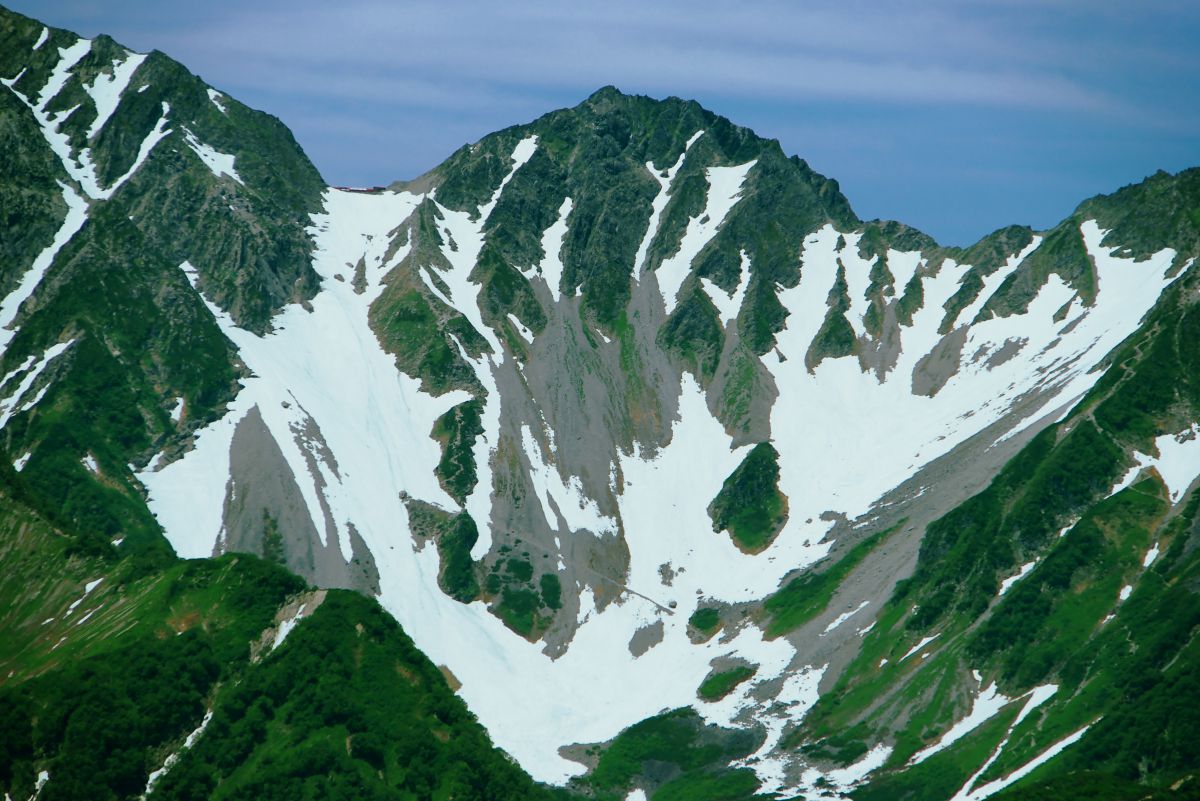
[609, 155]
[608, 93]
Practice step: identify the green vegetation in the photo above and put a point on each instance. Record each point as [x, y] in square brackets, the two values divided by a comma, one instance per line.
[1061, 253]
[1095, 786]
[1154, 375]
[842, 748]
[680, 739]
[1023, 508]
[705, 619]
[835, 338]
[526, 209]
[519, 569]
[878, 237]
[719, 685]
[140, 334]
[985, 257]
[943, 774]
[1026, 628]
[689, 193]
[94, 699]
[750, 505]
[525, 607]
[785, 201]
[596, 153]
[411, 331]
[506, 291]
[457, 430]
[518, 608]
[142, 337]
[94, 723]
[457, 578]
[1161, 211]
[758, 329]
[743, 377]
[1064, 469]
[346, 708]
[1147, 658]
[455, 535]
[251, 262]
[31, 208]
[732, 785]
[551, 591]
[912, 299]
[806, 596]
[693, 334]
[879, 291]
[417, 327]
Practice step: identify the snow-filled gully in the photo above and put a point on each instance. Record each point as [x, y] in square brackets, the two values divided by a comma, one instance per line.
[326, 365]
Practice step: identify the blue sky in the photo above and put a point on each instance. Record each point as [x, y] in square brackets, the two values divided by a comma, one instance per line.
[956, 116]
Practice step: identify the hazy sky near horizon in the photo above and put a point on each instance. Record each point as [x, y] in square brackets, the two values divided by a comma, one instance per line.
[956, 116]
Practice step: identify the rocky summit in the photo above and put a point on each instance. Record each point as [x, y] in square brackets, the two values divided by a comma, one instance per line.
[613, 458]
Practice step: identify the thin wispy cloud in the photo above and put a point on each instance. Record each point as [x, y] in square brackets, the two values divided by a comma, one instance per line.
[904, 54]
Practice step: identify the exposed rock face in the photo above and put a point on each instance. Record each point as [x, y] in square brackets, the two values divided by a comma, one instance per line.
[263, 501]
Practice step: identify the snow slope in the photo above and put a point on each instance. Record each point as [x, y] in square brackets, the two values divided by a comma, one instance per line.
[324, 370]
[327, 365]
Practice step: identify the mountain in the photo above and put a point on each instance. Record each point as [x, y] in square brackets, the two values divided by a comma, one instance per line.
[689, 482]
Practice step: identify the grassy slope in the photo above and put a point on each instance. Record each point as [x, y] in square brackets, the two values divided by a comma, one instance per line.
[93, 693]
[345, 708]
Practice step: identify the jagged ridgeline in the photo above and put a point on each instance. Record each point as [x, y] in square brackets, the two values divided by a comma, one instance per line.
[690, 483]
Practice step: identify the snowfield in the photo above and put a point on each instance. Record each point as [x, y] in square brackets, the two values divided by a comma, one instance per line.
[326, 367]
